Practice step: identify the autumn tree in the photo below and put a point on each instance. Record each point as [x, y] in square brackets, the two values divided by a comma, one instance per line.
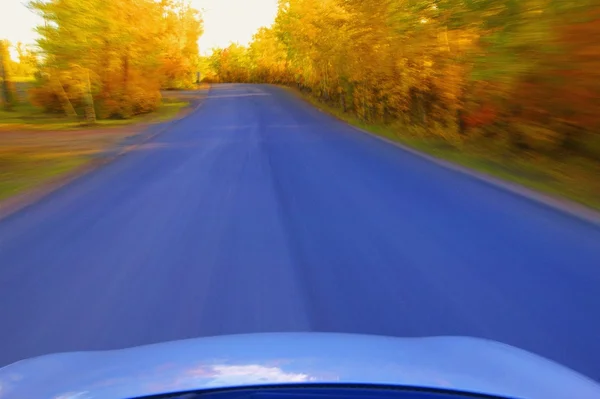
[181, 29]
[26, 63]
[110, 58]
[231, 64]
[523, 73]
[268, 58]
[9, 97]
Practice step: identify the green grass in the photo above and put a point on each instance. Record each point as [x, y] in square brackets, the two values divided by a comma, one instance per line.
[169, 109]
[27, 116]
[573, 178]
[29, 158]
[20, 173]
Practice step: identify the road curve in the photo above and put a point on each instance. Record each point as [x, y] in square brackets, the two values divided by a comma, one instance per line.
[259, 213]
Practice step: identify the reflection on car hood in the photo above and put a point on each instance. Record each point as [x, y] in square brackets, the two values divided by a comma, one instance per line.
[466, 364]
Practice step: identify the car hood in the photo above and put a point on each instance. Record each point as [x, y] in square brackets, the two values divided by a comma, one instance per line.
[466, 364]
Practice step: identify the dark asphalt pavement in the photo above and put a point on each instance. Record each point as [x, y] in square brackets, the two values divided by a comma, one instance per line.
[259, 213]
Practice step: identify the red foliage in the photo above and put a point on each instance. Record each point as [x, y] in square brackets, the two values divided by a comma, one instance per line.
[484, 115]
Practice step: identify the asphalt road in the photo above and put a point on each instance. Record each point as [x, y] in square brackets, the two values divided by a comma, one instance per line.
[259, 213]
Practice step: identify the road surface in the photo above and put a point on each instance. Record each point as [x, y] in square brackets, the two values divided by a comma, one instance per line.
[259, 213]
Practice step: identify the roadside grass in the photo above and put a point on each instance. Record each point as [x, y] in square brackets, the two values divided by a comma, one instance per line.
[36, 147]
[30, 158]
[27, 116]
[573, 178]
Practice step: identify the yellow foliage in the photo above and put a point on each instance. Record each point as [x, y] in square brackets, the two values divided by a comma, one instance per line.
[455, 68]
[111, 57]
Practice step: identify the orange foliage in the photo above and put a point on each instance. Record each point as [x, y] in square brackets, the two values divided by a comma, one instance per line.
[485, 115]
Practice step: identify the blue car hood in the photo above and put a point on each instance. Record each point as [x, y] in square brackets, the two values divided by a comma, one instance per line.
[466, 364]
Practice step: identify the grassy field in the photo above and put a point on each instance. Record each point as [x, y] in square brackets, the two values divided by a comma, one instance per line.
[574, 178]
[36, 147]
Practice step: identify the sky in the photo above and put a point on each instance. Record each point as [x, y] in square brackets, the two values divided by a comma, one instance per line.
[17, 22]
[225, 21]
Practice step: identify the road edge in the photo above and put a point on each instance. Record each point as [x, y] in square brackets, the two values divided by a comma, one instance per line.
[21, 201]
[561, 205]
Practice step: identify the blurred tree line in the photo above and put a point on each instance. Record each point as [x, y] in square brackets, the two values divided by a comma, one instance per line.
[521, 73]
[108, 58]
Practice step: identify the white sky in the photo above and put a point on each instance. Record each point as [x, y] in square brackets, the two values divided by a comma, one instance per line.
[225, 21]
[17, 22]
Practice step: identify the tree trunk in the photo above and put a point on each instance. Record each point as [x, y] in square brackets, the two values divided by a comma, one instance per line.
[8, 89]
[90, 113]
[125, 73]
[64, 98]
